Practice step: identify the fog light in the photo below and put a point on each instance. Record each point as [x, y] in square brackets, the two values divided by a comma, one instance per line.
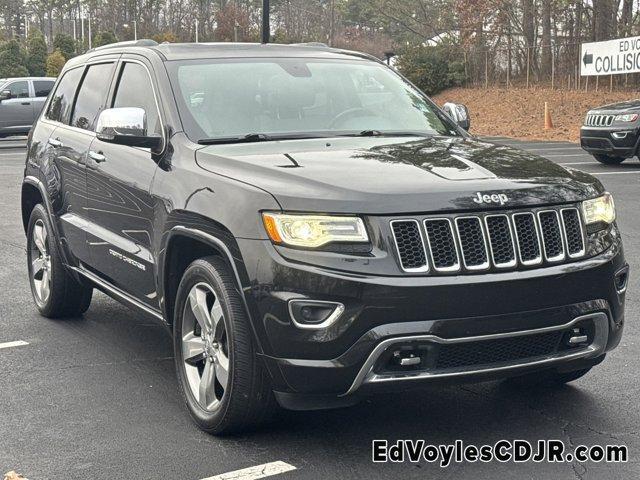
[314, 314]
[620, 279]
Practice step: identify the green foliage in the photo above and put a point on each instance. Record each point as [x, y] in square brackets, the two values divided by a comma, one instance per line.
[12, 60]
[432, 69]
[104, 38]
[36, 54]
[55, 62]
[65, 44]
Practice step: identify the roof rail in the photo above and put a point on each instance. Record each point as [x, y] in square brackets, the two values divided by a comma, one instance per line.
[145, 42]
[311, 44]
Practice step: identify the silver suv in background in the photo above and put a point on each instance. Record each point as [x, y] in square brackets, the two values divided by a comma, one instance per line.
[21, 100]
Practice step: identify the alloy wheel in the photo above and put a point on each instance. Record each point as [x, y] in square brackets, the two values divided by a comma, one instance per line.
[40, 263]
[205, 347]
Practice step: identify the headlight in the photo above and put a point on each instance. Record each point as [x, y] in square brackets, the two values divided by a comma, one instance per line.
[313, 230]
[628, 117]
[601, 209]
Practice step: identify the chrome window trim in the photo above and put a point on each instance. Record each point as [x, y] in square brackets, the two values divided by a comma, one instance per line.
[121, 65]
[456, 266]
[538, 259]
[514, 262]
[582, 233]
[484, 265]
[395, 242]
[597, 347]
[561, 256]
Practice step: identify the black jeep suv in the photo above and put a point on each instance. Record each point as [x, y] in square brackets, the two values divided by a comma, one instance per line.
[611, 133]
[311, 228]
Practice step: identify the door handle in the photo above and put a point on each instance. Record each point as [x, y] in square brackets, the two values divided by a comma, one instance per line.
[54, 142]
[97, 157]
[26, 103]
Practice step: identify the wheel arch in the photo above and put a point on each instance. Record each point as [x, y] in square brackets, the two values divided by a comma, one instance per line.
[31, 195]
[183, 245]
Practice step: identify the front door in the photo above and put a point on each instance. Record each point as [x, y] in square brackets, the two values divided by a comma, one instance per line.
[119, 181]
[16, 112]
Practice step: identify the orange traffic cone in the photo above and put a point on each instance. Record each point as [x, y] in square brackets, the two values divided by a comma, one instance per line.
[548, 123]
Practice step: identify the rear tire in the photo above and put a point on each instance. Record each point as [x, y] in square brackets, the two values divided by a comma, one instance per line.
[608, 159]
[550, 378]
[55, 292]
[224, 384]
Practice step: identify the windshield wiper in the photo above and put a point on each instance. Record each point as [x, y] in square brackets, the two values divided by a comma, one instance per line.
[251, 137]
[379, 133]
[258, 137]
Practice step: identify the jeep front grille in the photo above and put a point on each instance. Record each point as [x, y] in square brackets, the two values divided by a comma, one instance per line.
[593, 120]
[491, 241]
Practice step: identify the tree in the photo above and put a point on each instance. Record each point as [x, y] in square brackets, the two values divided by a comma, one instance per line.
[55, 62]
[104, 38]
[36, 54]
[65, 44]
[12, 60]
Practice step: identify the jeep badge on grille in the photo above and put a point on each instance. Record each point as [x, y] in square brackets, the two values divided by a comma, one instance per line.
[500, 198]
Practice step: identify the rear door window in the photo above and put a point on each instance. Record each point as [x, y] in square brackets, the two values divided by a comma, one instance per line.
[92, 95]
[62, 100]
[42, 87]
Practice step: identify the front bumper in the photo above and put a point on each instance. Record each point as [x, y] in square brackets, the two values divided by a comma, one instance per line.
[619, 142]
[335, 365]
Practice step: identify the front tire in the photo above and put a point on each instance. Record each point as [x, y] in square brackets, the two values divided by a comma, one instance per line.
[609, 159]
[224, 385]
[55, 292]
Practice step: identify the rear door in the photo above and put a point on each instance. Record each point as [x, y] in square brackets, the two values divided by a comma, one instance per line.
[120, 205]
[71, 141]
[16, 113]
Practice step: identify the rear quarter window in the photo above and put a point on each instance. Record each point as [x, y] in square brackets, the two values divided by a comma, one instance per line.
[60, 107]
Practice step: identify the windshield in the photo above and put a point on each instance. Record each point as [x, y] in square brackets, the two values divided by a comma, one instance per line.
[299, 97]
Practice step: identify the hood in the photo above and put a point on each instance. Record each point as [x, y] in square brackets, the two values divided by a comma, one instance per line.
[628, 106]
[397, 175]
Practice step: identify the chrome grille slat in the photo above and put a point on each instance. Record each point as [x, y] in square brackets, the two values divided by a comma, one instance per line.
[501, 241]
[473, 244]
[442, 245]
[410, 245]
[451, 243]
[527, 238]
[573, 232]
[552, 239]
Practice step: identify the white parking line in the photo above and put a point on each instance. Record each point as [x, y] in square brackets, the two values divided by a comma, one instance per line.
[17, 343]
[580, 163]
[613, 173]
[253, 473]
[554, 155]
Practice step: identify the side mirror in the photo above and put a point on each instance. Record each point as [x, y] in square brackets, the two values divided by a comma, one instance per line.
[126, 126]
[459, 113]
[5, 95]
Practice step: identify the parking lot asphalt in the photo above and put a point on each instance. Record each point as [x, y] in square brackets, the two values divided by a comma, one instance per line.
[96, 398]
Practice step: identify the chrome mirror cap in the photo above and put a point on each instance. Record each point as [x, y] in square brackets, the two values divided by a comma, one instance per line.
[459, 113]
[127, 126]
[129, 121]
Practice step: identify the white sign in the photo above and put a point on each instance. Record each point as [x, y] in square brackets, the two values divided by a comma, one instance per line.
[611, 57]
